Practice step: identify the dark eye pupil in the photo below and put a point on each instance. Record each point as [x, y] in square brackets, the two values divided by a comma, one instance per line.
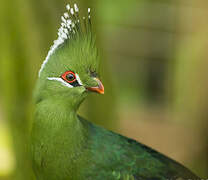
[70, 77]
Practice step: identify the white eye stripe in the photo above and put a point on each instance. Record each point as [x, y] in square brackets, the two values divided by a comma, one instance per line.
[78, 79]
[65, 83]
[60, 80]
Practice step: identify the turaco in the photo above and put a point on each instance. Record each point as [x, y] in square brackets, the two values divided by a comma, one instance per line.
[64, 146]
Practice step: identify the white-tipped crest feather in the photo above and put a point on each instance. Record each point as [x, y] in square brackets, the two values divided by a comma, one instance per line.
[65, 31]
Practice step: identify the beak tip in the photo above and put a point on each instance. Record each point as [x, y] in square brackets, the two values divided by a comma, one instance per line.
[96, 89]
[102, 92]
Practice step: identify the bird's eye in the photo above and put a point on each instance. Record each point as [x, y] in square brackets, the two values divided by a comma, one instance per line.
[69, 77]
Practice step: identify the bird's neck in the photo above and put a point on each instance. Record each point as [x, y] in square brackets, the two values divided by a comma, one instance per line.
[58, 136]
[56, 122]
[57, 114]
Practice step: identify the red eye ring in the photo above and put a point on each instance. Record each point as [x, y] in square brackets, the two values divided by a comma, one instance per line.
[69, 77]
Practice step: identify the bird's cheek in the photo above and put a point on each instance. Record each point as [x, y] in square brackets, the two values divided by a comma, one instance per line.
[81, 89]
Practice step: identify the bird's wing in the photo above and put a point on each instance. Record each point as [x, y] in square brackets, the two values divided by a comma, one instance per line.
[122, 157]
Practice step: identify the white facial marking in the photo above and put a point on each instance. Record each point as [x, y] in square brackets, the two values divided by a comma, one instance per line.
[65, 83]
[78, 79]
[60, 80]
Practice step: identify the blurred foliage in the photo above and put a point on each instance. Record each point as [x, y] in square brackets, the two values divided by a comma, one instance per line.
[154, 63]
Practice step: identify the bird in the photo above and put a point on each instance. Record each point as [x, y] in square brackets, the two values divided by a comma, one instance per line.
[65, 146]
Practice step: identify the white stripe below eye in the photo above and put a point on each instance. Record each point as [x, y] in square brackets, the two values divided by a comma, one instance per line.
[60, 80]
[78, 79]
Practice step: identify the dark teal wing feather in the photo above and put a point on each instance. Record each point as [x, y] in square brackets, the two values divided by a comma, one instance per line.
[116, 157]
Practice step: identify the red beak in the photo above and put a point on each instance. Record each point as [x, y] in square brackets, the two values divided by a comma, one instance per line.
[99, 89]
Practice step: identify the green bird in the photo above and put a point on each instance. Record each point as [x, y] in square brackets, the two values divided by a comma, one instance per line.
[64, 146]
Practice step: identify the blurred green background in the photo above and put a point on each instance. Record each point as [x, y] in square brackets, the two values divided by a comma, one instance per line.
[154, 69]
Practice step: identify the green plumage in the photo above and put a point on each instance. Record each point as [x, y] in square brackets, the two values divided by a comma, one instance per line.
[67, 147]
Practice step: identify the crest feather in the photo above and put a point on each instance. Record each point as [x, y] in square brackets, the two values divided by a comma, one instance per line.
[72, 27]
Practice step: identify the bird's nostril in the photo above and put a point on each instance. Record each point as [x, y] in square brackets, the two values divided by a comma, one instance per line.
[93, 74]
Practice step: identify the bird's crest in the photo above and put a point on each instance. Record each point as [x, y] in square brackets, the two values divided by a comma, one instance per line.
[72, 27]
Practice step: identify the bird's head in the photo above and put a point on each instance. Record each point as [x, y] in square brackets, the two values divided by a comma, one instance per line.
[71, 68]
